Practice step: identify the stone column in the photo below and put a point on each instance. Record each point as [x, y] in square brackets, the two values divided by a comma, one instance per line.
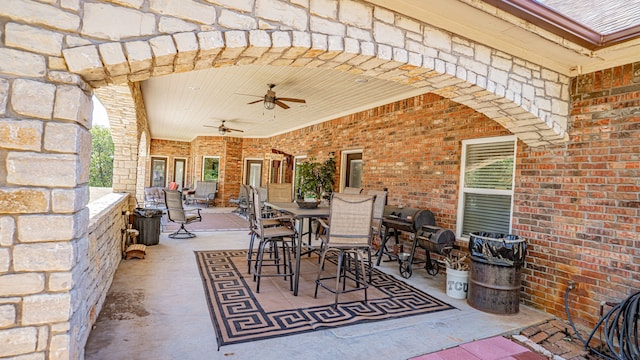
[45, 148]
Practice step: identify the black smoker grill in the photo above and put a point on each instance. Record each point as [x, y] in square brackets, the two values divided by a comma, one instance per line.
[397, 219]
[432, 239]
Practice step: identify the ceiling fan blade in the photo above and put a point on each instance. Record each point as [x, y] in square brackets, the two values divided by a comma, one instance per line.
[211, 126]
[230, 129]
[255, 102]
[281, 104]
[292, 100]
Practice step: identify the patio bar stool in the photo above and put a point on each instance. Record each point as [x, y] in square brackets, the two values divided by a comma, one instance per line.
[348, 233]
[276, 242]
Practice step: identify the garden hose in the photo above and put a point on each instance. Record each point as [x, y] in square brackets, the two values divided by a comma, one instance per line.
[620, 328]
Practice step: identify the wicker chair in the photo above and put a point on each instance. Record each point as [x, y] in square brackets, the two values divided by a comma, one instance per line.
[178, 214]
[273, 242]
[349, 233]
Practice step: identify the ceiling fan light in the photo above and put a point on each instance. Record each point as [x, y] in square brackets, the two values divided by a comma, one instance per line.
[269, 104]
[221, 131]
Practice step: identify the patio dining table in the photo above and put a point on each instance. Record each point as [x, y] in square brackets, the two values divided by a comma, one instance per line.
[298, 213]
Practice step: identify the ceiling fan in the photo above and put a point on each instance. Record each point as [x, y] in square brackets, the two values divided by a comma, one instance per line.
[270, 100]
[222, 129]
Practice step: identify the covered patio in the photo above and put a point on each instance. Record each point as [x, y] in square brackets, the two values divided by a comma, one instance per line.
[558, 97]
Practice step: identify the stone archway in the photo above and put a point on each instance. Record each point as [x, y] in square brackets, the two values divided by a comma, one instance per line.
[526, 99]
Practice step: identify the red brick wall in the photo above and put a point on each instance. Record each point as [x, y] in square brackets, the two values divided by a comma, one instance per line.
[172, 150]
[578, 204]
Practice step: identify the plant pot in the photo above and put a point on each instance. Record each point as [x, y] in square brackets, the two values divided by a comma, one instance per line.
[457, 283]
[307, 204]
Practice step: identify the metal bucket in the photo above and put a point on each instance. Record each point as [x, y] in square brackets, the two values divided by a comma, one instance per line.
[494, 289]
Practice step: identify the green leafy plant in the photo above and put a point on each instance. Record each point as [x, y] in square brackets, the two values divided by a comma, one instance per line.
[316, 177]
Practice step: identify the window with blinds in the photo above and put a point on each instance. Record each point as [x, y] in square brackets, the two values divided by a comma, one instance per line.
[486, 191]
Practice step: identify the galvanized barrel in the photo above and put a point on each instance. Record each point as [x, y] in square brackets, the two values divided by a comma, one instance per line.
[493, 288]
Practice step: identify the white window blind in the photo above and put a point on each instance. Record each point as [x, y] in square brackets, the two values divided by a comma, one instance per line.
[486, 197]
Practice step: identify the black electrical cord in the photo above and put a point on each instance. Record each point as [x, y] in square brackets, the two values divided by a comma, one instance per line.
[620, 327]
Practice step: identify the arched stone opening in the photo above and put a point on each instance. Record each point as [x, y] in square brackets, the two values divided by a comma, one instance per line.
[530, 101]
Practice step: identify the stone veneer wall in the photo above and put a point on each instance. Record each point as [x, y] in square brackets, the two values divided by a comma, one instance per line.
[98, 264]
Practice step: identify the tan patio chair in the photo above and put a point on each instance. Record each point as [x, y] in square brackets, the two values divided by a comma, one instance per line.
[279, 192]
[274, 243]
[349, 233]
[352, 190]
[243, 200]
[205, 192]
[178, 214]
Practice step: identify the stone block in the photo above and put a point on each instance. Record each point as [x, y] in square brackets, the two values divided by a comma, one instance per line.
[7, 231]
[21, 64]
[60, 281]
[39, 228]
[46, 308]
[408, 24]
[164, 50]
[63, 137]
[51, 256]
[284, 13]
[364, 35]
[24, 201]
[113, 58]
[437, 39]
[356, 14]
[72, 104]
[324, 8]
[69, 200]
[383, 14]
[98, 22]
[32, 98]
[18, 341]
[236, 42]
[53, 169]
[73, 5]
[21, 284]
[187, 46]
[236, 21]
[33, 39]
[5, 260]
[139, 56]
[33, 12]
[240, 5]
[171, 25]
[7, 315]
[60, 347]
[185, 9]
[20, 134]
[4, 95]
[85, 61]
[325, 26]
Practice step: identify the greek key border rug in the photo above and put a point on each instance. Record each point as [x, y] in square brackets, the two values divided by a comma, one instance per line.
[239, 314]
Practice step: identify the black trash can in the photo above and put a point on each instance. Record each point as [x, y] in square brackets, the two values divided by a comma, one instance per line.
[147, 222]
[495, 275]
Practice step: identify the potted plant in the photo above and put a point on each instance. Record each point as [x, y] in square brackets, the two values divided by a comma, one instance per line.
[457, 275]
[316, 178]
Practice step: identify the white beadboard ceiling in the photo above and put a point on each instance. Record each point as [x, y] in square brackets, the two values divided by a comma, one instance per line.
[180, 105]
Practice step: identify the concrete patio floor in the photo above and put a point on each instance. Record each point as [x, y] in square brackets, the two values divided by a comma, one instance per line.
[159, 311]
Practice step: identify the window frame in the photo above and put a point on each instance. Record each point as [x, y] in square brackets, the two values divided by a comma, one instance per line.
[464, 190]
[204, 160]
